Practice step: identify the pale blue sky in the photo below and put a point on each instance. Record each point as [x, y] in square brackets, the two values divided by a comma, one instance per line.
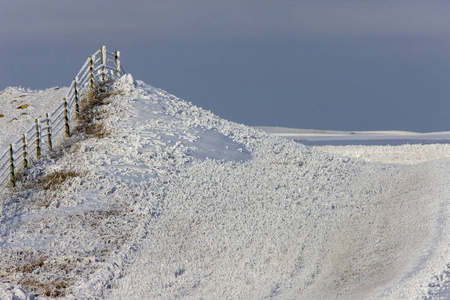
[343, 65]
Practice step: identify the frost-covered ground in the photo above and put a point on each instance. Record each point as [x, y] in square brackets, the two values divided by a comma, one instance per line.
[20, 107]
[171, 201]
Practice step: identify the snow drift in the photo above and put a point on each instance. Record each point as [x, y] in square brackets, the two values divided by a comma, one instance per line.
[174, 202]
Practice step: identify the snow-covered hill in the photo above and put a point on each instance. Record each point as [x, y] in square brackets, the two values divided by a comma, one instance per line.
[167, 200]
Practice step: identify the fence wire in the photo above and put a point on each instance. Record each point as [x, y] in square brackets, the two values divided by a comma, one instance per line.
[102, 65]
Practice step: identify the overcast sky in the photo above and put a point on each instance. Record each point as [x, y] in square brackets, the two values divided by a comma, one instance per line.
[343, 65]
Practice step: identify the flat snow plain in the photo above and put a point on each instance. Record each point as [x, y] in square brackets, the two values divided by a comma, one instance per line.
[175, 202]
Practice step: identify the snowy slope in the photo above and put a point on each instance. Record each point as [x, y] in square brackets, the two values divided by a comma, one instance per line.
[172, 201]
[20, 107]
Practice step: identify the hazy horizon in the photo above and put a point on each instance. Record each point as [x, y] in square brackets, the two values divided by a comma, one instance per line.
[347, 65]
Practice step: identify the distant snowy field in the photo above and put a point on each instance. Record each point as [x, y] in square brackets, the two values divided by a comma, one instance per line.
[401, 147]
[175, 202]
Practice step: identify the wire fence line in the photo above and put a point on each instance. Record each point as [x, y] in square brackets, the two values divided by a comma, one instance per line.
[49, 132]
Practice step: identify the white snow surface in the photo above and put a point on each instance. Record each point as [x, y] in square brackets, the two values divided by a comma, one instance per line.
[175, 202]
[19, 107]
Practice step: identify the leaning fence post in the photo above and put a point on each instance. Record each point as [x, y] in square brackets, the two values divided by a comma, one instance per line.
[77, 104]
[12, 176]
[24, 148]
[49, 133]
[117, 62]
[66, 119]
[91, 72]
[38, 141]
[103, 61]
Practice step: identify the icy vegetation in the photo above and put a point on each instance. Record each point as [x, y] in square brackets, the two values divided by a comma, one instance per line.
[166, 200]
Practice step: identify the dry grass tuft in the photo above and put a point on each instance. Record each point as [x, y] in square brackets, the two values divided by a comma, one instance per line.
[49, 274]
[54, 180]
[89, 124]
[45, 273]
[92, 111]
[49, 182]
[98, 130]
[28, 268]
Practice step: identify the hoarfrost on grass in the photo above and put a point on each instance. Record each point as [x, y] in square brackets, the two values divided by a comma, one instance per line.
[176, 202]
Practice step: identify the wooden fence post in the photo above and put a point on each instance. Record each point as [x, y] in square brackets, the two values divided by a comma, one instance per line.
[66, 119]
[24, 150]
[49, 133]
[12, 176]
[38, 141]
[75, 93]
[103, 61]
[117, 62]
[91, 71]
